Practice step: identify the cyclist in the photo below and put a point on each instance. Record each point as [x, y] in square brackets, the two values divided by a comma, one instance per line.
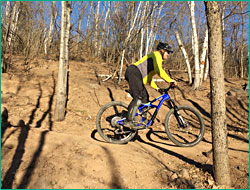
[141, 73]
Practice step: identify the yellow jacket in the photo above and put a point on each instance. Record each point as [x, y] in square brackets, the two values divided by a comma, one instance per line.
[150, 65]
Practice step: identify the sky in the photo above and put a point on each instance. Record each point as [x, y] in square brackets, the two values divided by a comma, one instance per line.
[75, 14]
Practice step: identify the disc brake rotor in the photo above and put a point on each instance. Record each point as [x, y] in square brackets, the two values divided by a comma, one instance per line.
[114, 121]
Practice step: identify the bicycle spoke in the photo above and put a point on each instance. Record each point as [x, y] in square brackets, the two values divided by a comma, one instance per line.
[110, 123]
[188, 133]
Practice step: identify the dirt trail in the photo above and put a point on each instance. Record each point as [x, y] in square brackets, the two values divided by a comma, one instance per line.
[38, 152]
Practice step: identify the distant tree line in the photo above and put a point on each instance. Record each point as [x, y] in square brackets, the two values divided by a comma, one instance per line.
[119, 33]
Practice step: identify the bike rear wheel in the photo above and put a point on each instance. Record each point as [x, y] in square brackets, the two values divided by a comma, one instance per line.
[188, 135]
[109, 125]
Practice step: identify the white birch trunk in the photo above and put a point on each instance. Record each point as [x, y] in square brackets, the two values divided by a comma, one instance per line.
[185, 56]
[242, 62]
[16, 16]
[108, 40]
[149, 35]
[96, 36]
[63, 63]
[142, 29]
[78, 32]
[99, 42]
[141, 20]
[104, 30]
[203, 56]
[195, 46]
[7, 19]
[127, 39]
[206, 69]
[132, 14]
[67, 33]
[89, 17]
[51, 27]
[61, 91]
[7, 13]
[13, 22]
[157, 21]
[141, 47]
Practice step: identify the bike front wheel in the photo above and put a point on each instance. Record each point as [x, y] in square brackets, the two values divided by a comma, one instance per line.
[189, 131]
[109, 123]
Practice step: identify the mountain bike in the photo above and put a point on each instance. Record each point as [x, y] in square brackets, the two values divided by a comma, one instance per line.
[183, 124]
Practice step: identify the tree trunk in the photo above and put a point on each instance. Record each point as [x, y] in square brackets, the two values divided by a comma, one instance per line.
[67, 33]
[78, 33]
[150, 34]
[242, 42]
[206, 69]
[13, 22]
[7, 12]
[196, 84]
[127, 39]
[104, 28]
[203, 56]
[7, 19]
[51, 27]
[157, 25]
[108, 36]
[61, 90]
[96, 34]
[141, 46]
[218, 106]
[142, 29]
[89, 18]
[223, 32]
[242, 61]
[81, 11]
[185, 56]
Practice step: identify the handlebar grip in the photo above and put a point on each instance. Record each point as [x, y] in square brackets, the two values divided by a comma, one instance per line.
[161, 91]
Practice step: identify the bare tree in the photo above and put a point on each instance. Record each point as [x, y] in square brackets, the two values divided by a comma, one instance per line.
[48, 39]
[7, 18]
[150, 31]
[218, 106]
[242, 42]
[143, 30]
[63, 63]
[203, 56]
[104, 27]
[223, 30]
[206, 69]
[185, 56]
[157, 22]
[195, 46]
[96, 28]
[127, 39]
[13, 22]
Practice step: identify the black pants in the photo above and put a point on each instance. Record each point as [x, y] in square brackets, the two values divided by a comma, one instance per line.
[136, 86]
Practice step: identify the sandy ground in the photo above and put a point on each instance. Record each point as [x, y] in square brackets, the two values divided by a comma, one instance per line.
[38, 152]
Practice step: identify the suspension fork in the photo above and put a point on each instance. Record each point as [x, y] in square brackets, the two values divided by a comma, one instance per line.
[177, 114]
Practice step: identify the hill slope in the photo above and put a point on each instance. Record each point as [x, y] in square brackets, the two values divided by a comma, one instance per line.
[38, 152]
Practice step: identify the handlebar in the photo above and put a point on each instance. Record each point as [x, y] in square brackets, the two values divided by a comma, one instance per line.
[165, 90]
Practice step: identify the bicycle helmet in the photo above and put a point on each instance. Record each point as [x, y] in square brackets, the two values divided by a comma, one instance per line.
[165, 47]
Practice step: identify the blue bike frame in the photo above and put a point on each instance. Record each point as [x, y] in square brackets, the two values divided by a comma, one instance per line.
[163, 98]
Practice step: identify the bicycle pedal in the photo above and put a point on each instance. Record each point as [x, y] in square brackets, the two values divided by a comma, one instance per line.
[139, 127]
